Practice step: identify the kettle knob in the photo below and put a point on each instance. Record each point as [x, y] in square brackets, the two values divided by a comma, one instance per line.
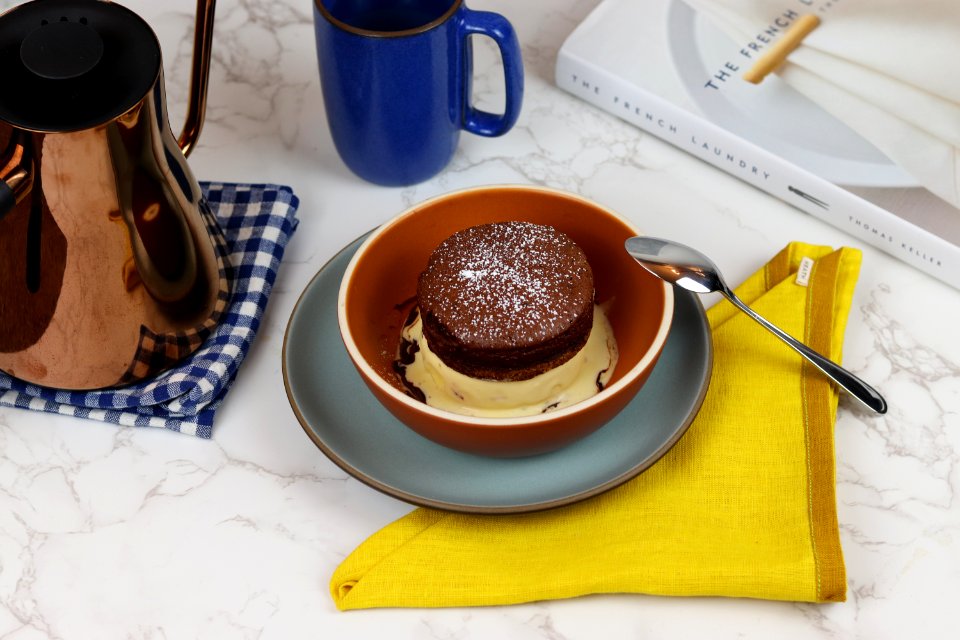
[61, 50]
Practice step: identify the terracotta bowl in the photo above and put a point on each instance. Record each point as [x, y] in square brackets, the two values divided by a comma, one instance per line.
[380, 282]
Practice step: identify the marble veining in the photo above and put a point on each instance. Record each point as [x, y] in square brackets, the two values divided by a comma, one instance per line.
[125, 533]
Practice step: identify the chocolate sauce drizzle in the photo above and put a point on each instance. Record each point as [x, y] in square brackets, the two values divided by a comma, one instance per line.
[600, 375]
[406, 353]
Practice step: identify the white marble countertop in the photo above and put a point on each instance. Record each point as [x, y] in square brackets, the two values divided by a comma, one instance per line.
[110, 532]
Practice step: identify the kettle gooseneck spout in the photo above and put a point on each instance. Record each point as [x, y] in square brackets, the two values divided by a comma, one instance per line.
[200, 74]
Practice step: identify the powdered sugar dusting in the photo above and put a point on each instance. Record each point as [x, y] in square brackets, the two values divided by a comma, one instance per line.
[511, 282]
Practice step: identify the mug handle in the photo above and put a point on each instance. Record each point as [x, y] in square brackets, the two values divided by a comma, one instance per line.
[495, 26]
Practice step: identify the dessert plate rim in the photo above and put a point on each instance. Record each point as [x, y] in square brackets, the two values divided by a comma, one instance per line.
[345, 421]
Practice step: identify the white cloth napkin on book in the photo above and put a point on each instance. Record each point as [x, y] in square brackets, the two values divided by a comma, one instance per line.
[886, 68]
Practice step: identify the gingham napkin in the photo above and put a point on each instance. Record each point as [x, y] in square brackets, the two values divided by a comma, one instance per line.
[257, 221]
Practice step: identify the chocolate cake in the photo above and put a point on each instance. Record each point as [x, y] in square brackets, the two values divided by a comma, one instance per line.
[506, 301]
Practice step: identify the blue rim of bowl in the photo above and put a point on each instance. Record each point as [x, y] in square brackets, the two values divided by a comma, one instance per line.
[378, 33]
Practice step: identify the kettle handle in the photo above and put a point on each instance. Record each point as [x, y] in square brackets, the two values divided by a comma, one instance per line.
[200, 73]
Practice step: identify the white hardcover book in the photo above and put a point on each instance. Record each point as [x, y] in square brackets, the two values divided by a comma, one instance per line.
[660, 66]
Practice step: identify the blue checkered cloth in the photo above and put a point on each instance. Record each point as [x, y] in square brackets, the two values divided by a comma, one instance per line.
[257, 221]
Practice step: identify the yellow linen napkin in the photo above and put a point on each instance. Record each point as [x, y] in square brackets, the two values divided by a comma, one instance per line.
[742, 506]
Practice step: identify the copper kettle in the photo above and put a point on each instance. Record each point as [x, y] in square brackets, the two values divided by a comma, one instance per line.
[112, 266]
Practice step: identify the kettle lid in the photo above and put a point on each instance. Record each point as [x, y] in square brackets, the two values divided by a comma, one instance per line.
[73, 64]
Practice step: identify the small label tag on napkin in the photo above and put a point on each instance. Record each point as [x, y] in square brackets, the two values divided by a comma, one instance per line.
[804, 271]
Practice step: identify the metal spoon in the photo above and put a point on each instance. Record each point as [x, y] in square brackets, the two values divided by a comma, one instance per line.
[691, 270]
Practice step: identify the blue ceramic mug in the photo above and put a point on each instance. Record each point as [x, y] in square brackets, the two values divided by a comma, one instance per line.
[396, 77]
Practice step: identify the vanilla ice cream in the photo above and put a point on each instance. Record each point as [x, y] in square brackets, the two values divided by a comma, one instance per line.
[577, 379]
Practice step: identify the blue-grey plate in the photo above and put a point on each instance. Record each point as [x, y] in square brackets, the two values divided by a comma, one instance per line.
[346, 422]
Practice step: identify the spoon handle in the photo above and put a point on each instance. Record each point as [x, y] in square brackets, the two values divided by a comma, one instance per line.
[849, 382]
